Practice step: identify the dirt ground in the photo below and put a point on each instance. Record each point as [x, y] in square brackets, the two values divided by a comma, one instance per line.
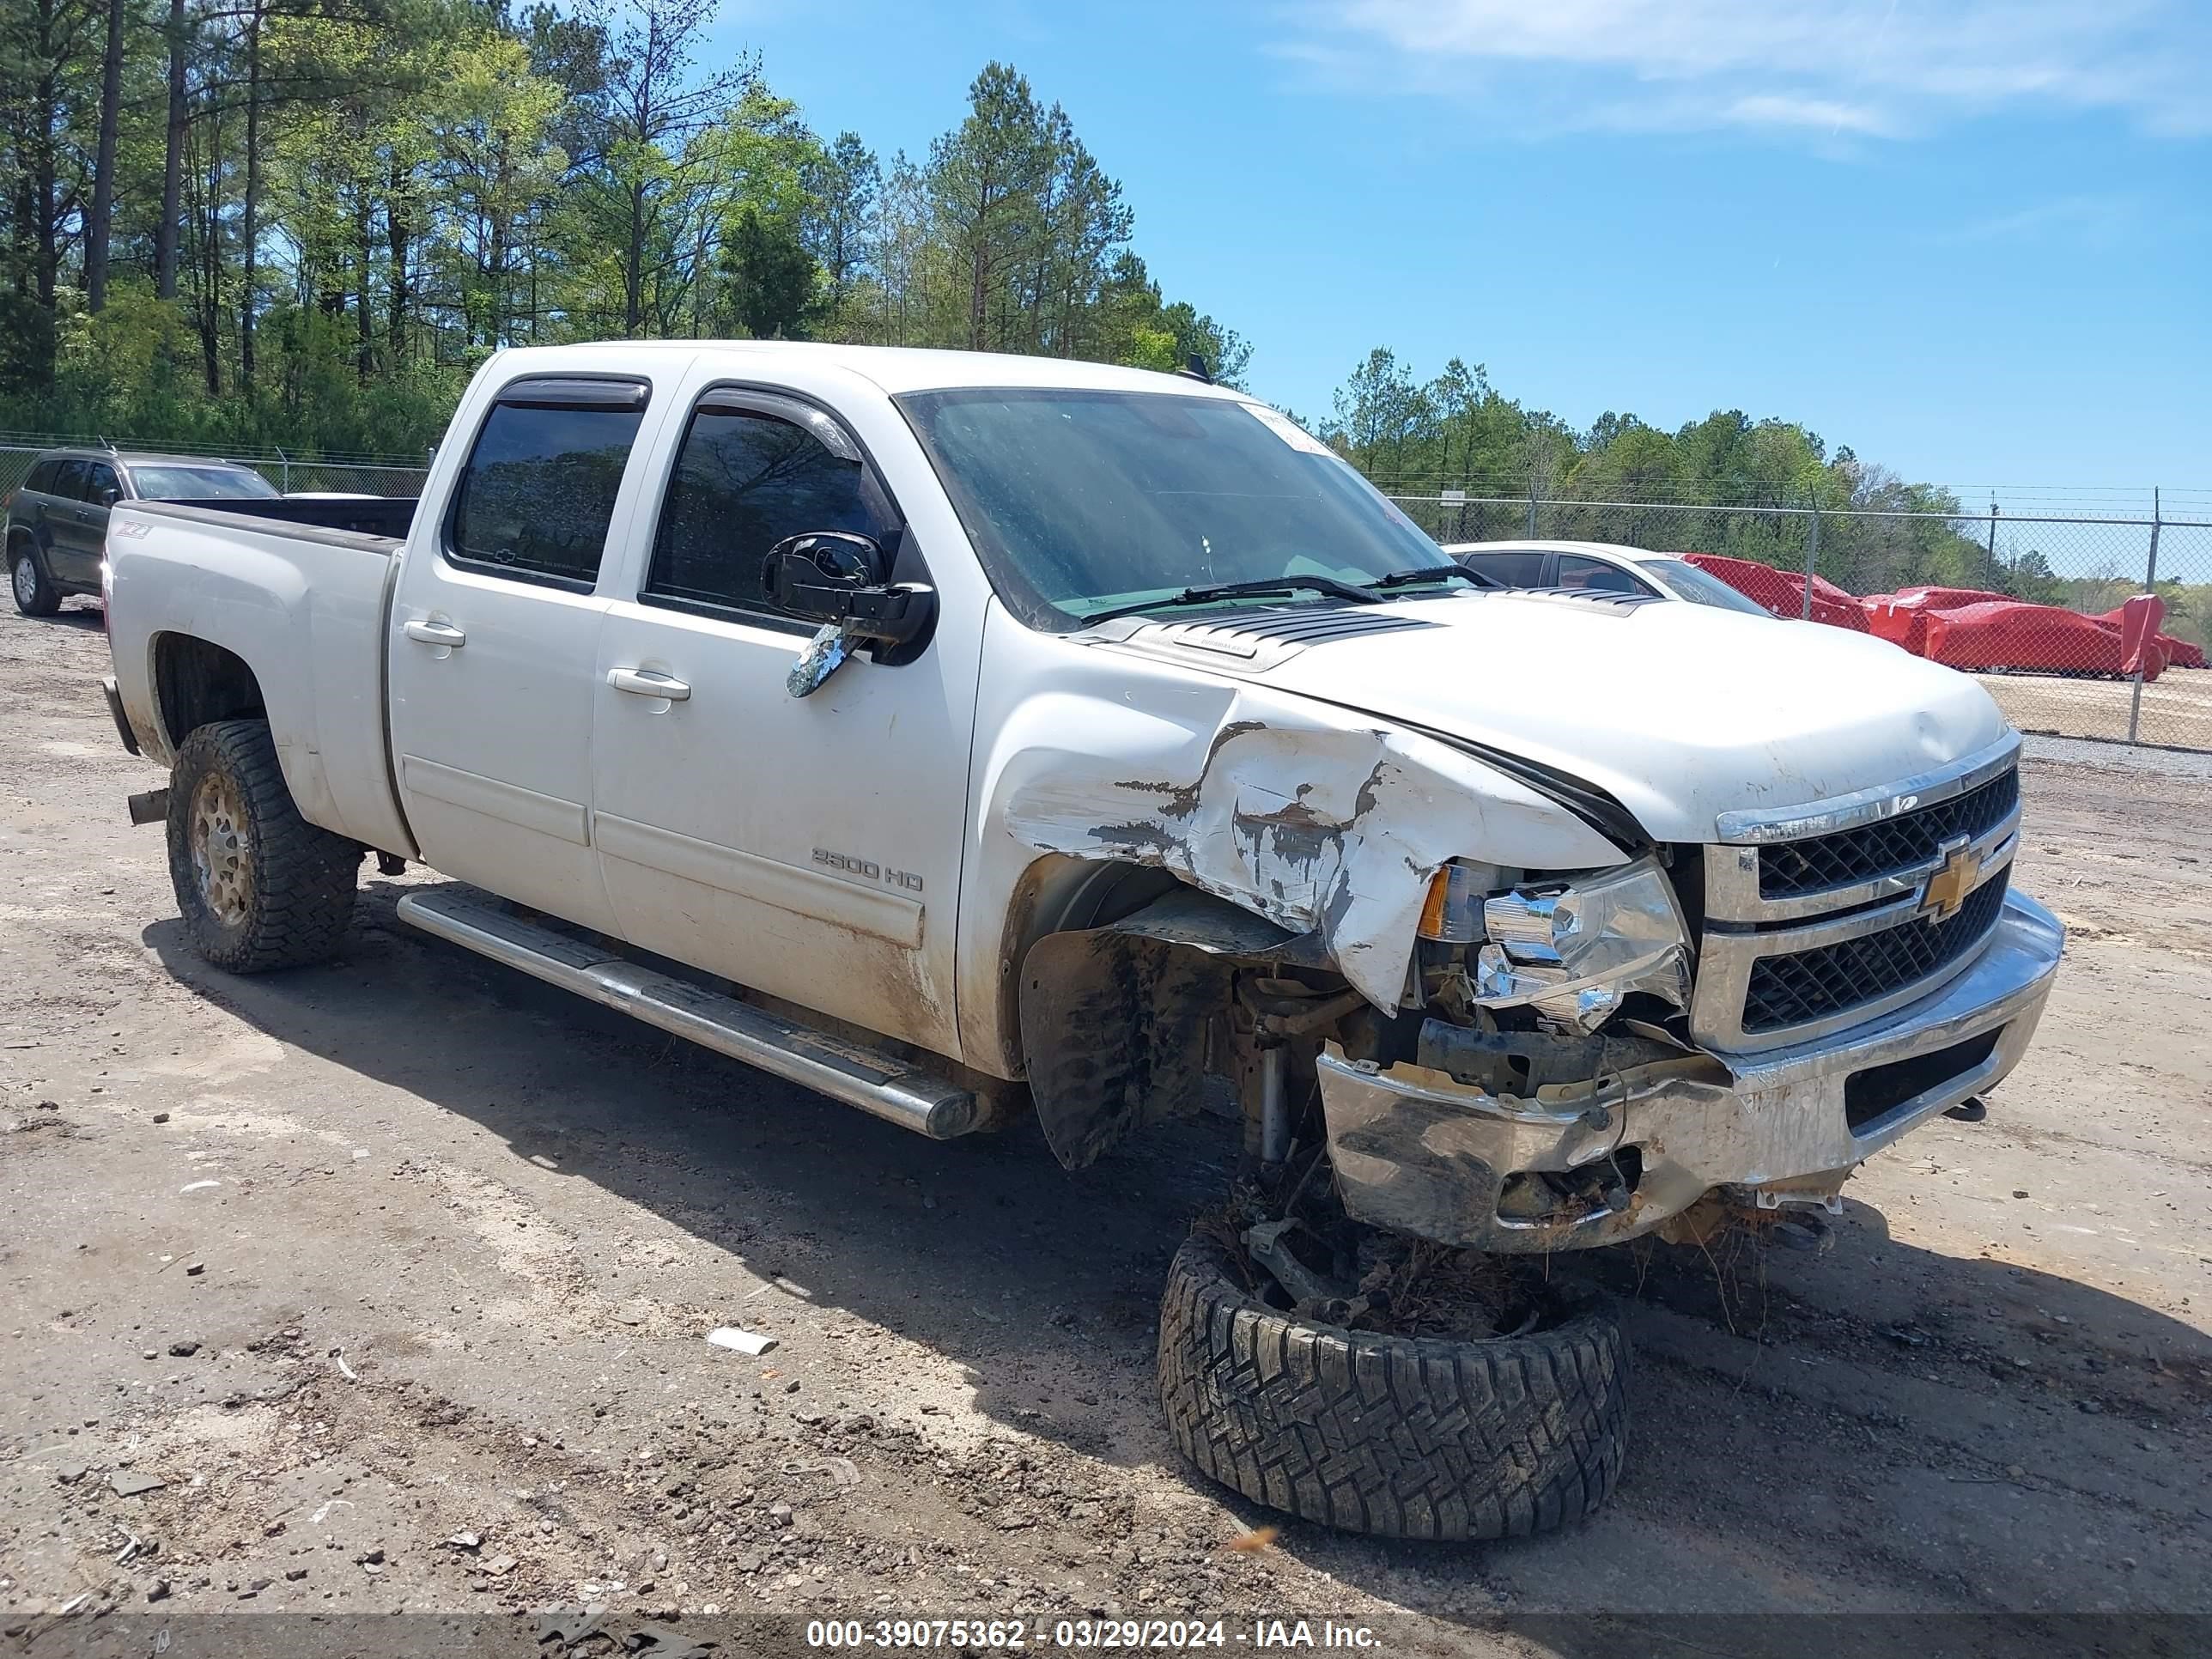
[359, 1260]
[2176, 708]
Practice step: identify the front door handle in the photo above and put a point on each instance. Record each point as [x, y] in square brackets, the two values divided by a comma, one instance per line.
[644, 682]
[425, 632]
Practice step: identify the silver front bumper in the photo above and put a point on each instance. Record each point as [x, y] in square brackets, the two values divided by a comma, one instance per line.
[1419, 1152]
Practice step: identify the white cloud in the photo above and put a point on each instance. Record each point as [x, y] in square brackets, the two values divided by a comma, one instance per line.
[1869, 68]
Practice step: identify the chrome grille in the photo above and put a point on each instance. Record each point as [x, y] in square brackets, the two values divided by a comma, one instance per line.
[1817, 918]
[1804, 987]
[1790, 868]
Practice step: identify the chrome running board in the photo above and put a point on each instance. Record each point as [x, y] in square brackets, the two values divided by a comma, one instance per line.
[877, 1082]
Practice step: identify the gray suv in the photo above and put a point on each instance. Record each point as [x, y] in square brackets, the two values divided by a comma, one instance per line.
[56, 518]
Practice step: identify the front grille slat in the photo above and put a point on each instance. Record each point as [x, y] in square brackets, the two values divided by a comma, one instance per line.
[1804, 986]
[1794, 868]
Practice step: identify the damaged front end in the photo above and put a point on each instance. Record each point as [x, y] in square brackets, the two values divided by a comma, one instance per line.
[1473, 989]
[1550, 1137]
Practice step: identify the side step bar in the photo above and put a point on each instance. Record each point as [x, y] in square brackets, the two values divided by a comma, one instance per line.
[875, 1082]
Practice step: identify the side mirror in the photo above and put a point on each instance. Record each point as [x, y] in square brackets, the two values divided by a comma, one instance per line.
[836, 577]
[109, 497]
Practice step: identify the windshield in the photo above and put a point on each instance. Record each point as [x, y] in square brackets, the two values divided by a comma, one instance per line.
[1700, 587]
[1080, 501]
[201, 483]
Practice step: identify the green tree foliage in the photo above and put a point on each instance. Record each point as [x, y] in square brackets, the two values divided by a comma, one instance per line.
[308, 221]
[1624, 480]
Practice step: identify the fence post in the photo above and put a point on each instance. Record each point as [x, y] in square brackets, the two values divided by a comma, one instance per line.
[1532, 506]
[1992, 572]
[2150, 586]
[1812, 558]
[284, 467]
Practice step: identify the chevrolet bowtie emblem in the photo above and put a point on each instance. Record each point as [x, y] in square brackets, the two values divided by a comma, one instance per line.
[1954, 879]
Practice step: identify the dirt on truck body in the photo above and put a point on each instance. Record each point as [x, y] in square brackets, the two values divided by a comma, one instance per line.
[1974, 1408]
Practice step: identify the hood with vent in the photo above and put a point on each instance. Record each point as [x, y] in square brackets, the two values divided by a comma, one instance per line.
[1679, 712]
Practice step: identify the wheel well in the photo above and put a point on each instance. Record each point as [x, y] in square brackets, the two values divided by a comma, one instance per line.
[197, 683]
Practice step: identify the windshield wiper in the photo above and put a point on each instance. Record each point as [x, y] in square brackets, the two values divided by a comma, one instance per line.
[1329, 584]
[1435, 573]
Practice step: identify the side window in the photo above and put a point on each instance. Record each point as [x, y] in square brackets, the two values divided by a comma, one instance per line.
[744, 482]
[40, 478]
[539, 492]
[68, 480]
[1576, 571]
[1514, 570]
[99, 479]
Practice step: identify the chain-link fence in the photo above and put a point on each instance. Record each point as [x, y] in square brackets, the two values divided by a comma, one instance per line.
[351, 475]
[2081, 626]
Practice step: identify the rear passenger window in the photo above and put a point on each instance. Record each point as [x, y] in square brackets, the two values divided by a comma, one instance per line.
[537, 494]
[1514, 570]
[1596, 575]
[68, 480]
[40, 478]
[744, 482]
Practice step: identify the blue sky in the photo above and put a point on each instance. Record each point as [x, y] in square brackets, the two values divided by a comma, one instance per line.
[1973, 239]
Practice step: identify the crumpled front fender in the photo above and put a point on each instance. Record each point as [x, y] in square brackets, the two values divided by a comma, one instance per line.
[1319, 818]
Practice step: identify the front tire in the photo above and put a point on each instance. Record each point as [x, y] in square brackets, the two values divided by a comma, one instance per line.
[35, 595]
[1392, 1435]
[258, 886]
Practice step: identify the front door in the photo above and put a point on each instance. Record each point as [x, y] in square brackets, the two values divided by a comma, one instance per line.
[495, 643]
[808, 848]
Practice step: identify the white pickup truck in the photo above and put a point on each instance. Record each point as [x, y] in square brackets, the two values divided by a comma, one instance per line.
[970, 737]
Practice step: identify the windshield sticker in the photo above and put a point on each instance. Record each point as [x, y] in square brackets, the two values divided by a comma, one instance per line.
[1287, 430]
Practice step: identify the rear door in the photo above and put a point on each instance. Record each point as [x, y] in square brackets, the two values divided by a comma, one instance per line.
[81, 537]
[61, 519]
[808, 848]
[495, 643]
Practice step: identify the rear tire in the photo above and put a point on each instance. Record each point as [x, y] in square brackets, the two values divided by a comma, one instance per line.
[1396, 1437]
[36, 594]
[258, 886]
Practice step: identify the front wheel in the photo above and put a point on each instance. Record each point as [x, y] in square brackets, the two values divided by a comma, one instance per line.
[35, 596]
[1401, 1436]
[259, 887]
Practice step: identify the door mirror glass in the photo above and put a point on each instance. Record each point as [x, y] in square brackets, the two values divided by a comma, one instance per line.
[108, 496]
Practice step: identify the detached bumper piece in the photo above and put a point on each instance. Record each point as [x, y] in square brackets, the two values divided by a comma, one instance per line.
[1417, 1152]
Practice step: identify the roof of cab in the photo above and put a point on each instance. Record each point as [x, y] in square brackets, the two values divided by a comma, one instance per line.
[897, 370]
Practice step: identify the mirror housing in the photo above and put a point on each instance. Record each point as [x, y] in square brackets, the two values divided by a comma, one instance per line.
[836, 576]
[109, 497]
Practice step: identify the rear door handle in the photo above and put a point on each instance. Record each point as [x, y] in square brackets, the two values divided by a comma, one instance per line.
[644, 682]
[425, 632]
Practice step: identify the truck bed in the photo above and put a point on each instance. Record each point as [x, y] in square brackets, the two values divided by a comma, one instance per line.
[308, 604]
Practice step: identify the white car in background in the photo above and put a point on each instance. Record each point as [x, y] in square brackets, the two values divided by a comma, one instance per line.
[1603, 567]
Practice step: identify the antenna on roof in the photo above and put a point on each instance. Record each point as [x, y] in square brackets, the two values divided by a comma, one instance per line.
[1193, 368]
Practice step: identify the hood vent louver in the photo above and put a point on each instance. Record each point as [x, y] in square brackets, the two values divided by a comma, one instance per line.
[1257, 640]
[1603, 600]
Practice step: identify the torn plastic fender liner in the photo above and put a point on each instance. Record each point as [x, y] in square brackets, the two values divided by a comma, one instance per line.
[1318, 818]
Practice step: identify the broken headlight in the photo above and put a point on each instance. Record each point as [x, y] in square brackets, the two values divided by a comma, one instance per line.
[1573, 952]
